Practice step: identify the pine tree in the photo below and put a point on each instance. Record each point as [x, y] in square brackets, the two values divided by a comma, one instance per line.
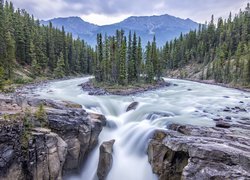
[130, 60]
[155, 60]
[2, 32]
[10, 54]
[149, 64]
[134, 60]
[107, 64]
[1, 77]
[247, 76]
[139, 62]
[60, 67]
[123, 73]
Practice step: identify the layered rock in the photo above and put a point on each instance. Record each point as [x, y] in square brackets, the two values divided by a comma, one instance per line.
[190, 152]
[105, 159]
[46, 153]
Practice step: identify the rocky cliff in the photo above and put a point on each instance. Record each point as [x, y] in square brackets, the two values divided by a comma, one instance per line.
[30, 151]
[190, 152]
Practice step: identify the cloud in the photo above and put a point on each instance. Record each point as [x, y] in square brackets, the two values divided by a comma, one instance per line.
[109, 11]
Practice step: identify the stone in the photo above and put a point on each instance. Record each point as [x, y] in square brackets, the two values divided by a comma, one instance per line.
[99, 117]
[217, 119]
[222, 124]
[156, 115]
[132, 106]
[105, 159]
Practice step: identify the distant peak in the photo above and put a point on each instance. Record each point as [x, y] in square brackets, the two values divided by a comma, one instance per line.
[71, 17]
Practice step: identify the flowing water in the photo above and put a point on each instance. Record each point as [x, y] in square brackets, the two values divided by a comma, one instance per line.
[183, 102]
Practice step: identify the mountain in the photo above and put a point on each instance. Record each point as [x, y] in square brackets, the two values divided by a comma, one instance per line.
[76, 26]
[165, 27]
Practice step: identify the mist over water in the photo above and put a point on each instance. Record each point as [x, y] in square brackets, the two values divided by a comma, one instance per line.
[185, 103]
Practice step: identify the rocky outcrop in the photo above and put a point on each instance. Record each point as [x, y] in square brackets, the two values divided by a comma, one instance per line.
[93, 90]
[46, 156]
[105, 159]
[190, 152]
[11, 151]
[132, 106]
[46, 153]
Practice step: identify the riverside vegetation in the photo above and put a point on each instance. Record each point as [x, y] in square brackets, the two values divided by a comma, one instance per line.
[31, 51]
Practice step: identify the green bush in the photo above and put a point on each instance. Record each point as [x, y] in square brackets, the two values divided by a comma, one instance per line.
[21, 81]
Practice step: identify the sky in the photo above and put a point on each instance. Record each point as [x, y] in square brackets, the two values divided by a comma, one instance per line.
[102, 12]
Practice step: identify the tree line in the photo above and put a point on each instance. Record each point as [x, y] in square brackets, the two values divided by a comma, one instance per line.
[121, 60]
[223, 49]
[44, 50]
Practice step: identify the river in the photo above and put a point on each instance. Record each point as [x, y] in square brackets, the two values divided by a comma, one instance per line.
[184, 102]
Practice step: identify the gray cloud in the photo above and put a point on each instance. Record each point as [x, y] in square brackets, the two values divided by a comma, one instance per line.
[198, 10]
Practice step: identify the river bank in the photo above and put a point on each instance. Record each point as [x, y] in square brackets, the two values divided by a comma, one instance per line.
[212, 82]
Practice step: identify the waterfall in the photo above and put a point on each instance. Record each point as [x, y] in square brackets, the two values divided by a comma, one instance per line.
[185, 103]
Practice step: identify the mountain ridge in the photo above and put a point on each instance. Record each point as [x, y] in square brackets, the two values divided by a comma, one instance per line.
[165, 27]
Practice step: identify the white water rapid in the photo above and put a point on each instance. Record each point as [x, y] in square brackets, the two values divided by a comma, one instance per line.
[185, 102]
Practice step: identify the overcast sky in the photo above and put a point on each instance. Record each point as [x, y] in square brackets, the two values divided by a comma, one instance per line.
[110, 11]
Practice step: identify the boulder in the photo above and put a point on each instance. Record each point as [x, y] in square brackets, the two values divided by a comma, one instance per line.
[222, 124]
[105, 159]
[192, 152]
[98, 117]
[132, 106]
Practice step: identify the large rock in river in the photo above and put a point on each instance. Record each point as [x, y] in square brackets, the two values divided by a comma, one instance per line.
[105, 159]
[132, 106]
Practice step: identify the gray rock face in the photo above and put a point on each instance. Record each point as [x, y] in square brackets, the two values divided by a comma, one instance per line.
[190, 152]
[10, 151]
[132, 106]
[105, 159]
[48, 153]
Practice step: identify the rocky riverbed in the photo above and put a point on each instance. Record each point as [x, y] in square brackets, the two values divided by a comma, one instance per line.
[29, 151]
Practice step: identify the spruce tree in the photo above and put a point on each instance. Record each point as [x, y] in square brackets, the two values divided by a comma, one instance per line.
[149, 64]
[123, 73]
[60, 67]
[1, 77]
[10, 55]
[139, 62]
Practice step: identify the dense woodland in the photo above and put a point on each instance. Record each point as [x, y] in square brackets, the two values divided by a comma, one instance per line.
[120, 60]
[221, 49]
[41, 50]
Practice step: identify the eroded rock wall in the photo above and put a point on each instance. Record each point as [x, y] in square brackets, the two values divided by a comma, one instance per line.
[47, 153]
[190, 152]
